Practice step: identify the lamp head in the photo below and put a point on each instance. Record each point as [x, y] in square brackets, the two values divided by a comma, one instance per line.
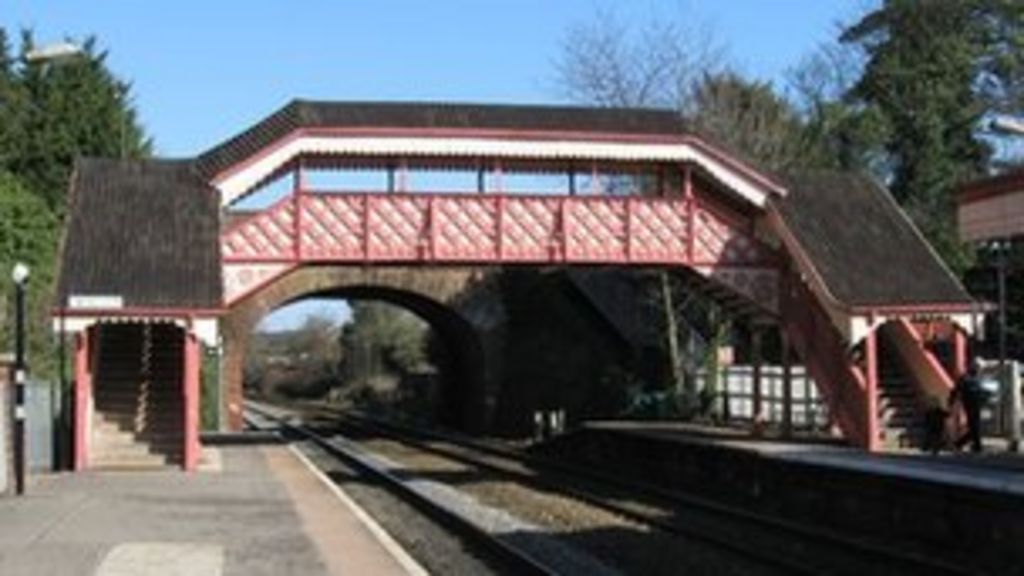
[20, 273]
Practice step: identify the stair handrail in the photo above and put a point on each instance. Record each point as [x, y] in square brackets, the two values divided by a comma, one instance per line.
[839, 379]
[929, 378]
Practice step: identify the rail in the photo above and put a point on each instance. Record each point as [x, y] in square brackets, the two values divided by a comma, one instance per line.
[593, 488]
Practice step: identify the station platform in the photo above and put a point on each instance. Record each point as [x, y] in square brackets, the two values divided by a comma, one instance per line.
[263, 510]
[964, 508]
[994, 469]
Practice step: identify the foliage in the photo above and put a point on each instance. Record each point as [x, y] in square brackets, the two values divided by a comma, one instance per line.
[66, 109]
[933, 72]
[304, 362]
[27, 234]
[209, 406]
[748, 117]
[381, 340]
[51, 113]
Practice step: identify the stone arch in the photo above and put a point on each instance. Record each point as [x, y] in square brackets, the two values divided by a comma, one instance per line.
[438, 295]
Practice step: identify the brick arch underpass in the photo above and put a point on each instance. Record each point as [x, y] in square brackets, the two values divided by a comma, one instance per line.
[439, 296]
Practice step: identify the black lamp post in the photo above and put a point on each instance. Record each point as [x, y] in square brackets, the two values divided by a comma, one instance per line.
[20, 276]
[1001, 250]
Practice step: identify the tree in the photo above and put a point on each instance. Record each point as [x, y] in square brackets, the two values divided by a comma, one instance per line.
[608, 62]
[836, 132]
[748, 117]
[27, 234]
[51, 113]
[383, 340]
[933, 71]
[66, 109]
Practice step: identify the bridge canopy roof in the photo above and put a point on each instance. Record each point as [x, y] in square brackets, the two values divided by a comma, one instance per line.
[308, 114]
[862, 246]
[145, 232]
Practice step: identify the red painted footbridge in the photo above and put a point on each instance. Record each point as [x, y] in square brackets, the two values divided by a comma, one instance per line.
[163, 256]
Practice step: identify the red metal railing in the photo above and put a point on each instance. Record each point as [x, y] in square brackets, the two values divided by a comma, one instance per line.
[839, 378]
[319, 227]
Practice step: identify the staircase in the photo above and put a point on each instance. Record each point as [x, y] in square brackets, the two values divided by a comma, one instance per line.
[138, 418]
[900, 419]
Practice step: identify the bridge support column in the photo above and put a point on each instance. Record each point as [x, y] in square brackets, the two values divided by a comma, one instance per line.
[757, 410]
[190, 389]
[871, 430]
[787, 386]
[231, 377]
[959, 352]
[83, 398]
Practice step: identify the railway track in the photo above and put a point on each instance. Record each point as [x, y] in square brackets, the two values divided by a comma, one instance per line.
[775, 544]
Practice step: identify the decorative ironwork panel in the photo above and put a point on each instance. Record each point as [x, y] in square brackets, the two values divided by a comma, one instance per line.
[659, 231]
[464, 228]
[268, 235]
[242, 279]
[397, 227]
[595, 230]
[332, 226]
[719, 242]
[759, 285]
[529, 229]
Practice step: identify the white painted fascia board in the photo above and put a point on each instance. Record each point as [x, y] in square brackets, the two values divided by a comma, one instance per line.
[206, 329]
[238, 183]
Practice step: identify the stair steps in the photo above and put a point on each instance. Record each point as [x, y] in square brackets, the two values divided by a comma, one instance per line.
[138, 421]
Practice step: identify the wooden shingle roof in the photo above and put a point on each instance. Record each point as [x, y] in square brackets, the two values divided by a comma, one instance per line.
[143, 230]
[862, 245]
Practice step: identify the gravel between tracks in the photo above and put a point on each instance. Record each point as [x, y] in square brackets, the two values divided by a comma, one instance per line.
[433, 546]
[560, 530]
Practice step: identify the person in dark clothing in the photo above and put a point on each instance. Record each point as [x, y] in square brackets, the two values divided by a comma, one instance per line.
[968, 393]
[935, 438]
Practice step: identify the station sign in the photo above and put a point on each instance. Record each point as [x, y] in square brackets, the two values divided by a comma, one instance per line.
[95, 302]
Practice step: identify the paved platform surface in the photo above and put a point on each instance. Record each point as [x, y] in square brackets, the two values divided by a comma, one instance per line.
[993, 470]
[265, 512]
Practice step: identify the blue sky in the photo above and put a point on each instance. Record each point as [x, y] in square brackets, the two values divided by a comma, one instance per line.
[202, 71]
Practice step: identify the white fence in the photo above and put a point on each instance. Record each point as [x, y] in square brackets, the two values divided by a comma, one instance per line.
[736, 396]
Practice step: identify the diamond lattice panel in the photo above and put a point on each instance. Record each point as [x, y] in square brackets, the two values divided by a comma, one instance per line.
[397, 227]
[332, 226]
[529, 228]
[465, 228]
[658, 231]
[265, 236]
[597, 230]
[720, 243]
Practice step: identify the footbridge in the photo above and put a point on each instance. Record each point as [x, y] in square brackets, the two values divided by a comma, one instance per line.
[417, 202]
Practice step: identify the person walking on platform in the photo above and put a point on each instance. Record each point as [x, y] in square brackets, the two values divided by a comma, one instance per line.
[968, 393]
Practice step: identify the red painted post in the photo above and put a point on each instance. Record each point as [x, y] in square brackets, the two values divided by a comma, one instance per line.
[298, 183]
[959, 352]
[431, 252]
[366, 228]
[565, 229]
[190, 386]
[629, 229]
[757, 410]
[83, 399]
[871, 442]
[499, 224]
